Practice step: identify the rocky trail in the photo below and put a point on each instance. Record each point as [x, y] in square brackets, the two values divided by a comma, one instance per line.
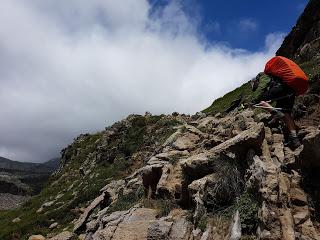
[207, 165]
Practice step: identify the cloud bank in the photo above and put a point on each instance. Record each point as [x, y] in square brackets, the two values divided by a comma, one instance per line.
[68, 67]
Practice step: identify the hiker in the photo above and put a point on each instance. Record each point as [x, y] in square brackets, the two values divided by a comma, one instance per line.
[286, 80]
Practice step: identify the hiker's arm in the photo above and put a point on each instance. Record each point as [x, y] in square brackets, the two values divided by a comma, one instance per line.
[266, 105]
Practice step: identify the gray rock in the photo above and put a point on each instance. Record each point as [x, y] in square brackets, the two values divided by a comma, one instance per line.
[48, 204]
[159, 230]
[66, 235]
[172, 138]
[53, 225]
[235, 230]
[112, 189]
[36, 237]
[181, 228]
[82, 219]
[310, 155]
[186, 141]
[16, 220]
[130, 225]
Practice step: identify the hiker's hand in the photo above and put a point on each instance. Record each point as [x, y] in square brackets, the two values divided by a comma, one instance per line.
[264, 104]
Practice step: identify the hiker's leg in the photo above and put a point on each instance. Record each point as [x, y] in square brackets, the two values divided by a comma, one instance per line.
[293, 140]
[288, 119]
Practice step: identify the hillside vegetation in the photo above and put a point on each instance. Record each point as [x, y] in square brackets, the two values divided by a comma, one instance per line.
[87, 165]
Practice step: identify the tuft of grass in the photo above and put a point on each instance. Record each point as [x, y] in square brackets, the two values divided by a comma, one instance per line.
[311, 68]
[248, 237]
[219, 223]
[125, 202]
[228, 185]
[163, 206]
[202, 224]
[248, 207]
[133, 139]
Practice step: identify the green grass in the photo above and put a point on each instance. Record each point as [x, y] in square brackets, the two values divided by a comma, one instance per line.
[38, 223]
[163, 206]
[222, 103]
[125, 202]
[244, 92]
[248, 207]
[311, 68]
[202, 224]
[87, 145]
[133, 139]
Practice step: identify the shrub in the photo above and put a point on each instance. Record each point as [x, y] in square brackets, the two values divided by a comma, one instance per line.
[202, 224]
[248, 207]
[134, 136]
[125, 202]
[163, 206]
[223, 192]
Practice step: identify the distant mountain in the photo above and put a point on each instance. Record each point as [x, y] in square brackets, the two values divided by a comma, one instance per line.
[25, 178]
[53, 163]
[47, 167]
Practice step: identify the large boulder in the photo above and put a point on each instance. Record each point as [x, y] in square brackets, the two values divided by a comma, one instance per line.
[36, 237]
[236, 149]
[186, 141]
[197, 166]
[129, 225]
[81, 221]
[66, 235]
[310, 155]
[174, 227]
[251, 138]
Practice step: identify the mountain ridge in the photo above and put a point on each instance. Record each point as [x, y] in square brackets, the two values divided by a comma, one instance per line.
[8, 164]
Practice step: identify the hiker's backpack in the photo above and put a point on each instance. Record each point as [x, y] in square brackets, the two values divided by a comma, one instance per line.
[289, 72]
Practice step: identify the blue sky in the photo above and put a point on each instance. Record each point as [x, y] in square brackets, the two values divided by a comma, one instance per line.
[241, 24]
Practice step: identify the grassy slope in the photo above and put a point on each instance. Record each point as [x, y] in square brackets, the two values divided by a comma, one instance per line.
[78, 191]
[32, 222]
[311, 68]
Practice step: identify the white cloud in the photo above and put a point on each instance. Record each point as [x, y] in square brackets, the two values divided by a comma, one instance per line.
[247, 25]
[274, 40]
[68, 67]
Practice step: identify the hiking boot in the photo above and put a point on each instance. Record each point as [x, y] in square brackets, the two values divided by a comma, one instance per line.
[293, 142]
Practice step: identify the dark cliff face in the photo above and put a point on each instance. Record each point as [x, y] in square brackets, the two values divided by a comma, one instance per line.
[303, 41]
